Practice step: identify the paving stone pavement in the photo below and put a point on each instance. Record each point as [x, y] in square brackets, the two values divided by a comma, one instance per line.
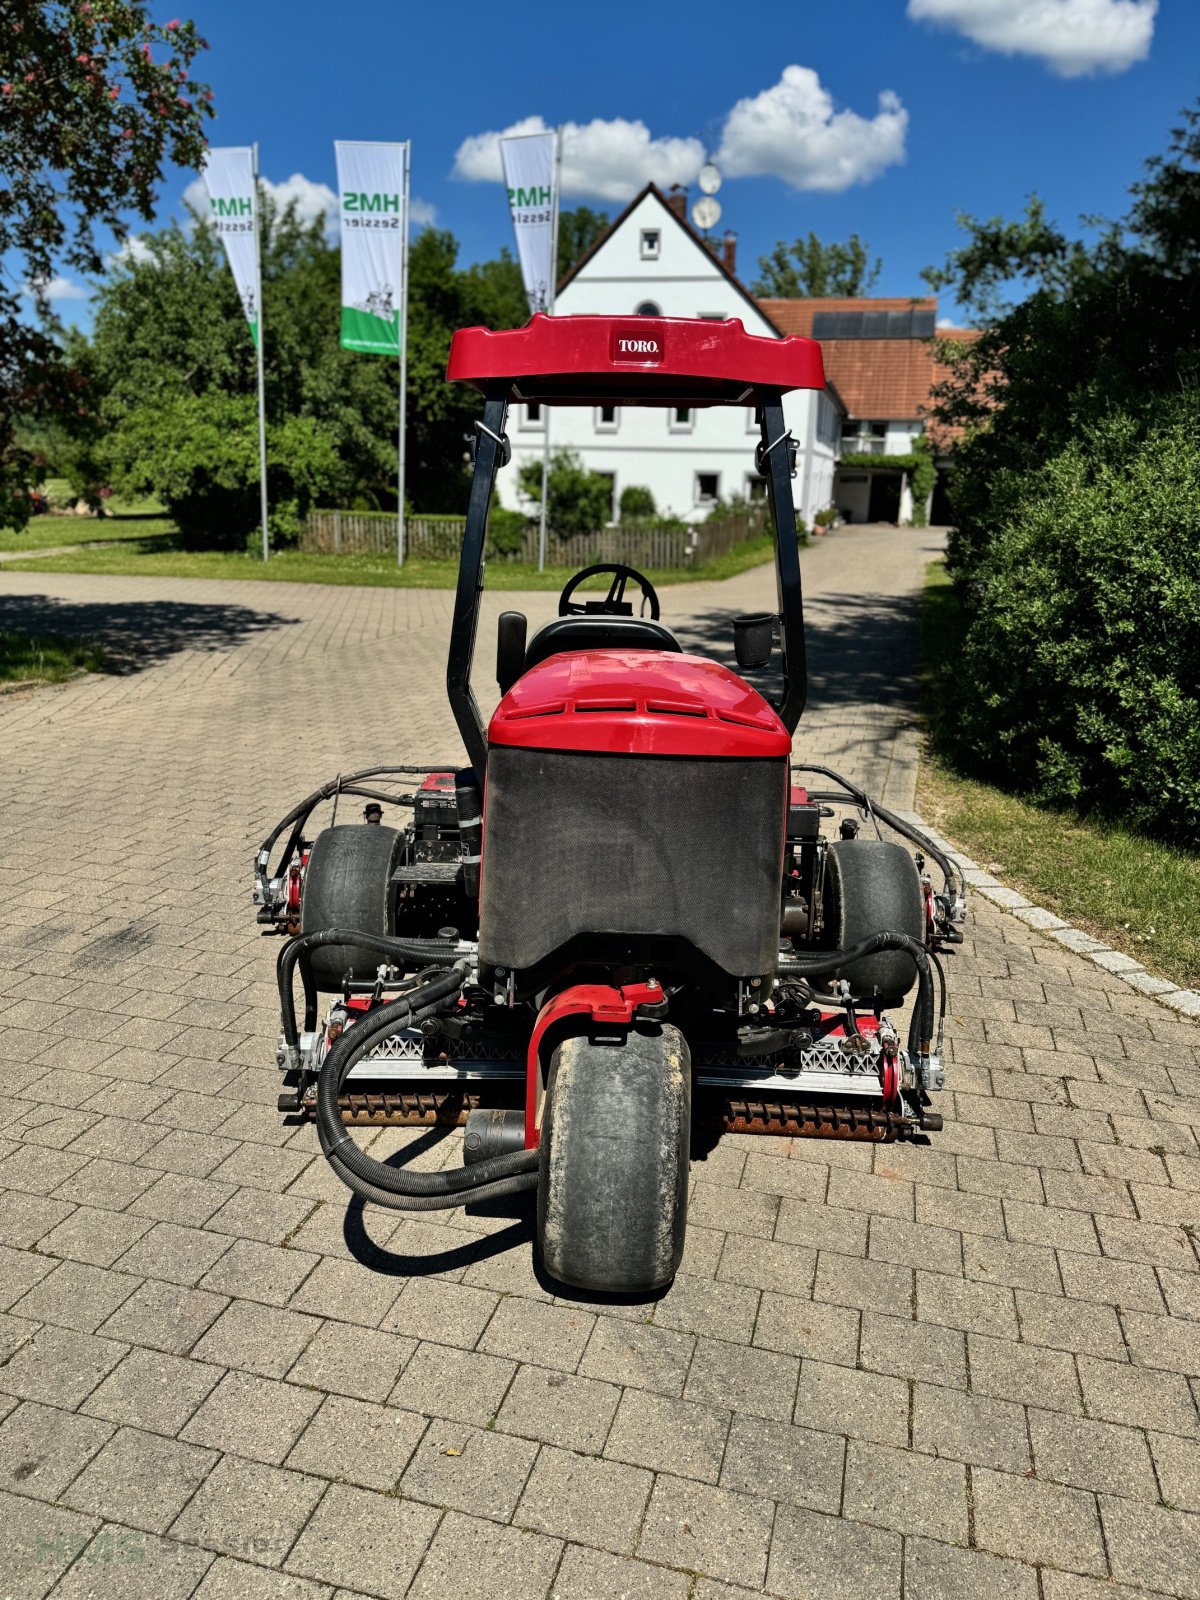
[969, 1367]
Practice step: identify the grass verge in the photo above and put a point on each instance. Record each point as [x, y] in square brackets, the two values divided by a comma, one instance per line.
[1139, 895]
[162, 558]
[45, 658]
[48, 532]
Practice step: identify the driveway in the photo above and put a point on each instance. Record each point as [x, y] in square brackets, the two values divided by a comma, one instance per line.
[969, 1367]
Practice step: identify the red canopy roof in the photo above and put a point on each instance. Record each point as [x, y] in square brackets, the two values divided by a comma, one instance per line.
[643, 361]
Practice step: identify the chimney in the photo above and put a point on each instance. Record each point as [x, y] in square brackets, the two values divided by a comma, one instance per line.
[729, 253]
[677, 200]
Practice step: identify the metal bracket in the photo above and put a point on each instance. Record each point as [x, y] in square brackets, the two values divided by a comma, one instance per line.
[501, 439]
[761, 453]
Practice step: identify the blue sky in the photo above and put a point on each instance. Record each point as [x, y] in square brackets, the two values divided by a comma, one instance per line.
[884, 118]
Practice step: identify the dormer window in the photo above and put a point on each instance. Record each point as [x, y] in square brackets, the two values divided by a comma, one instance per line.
[606, 419]
[651, 241]
[648, 309]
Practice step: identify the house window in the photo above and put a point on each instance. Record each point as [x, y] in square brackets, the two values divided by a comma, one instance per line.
[606, 419]
[651, 239]
[711, 316]
[531, 417]
[648, 309]
[680, 419]
[708, 488]
[756, 487]
[611, 478]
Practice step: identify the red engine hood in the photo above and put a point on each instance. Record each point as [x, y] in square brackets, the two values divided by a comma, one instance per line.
[637, 702]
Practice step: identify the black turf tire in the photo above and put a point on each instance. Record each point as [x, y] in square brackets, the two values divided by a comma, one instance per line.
[347, 884]
[613, 1183]
[873, 886]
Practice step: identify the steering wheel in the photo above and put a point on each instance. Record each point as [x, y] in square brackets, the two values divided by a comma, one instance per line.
[614, 603]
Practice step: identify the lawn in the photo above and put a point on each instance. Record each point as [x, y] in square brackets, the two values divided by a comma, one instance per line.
[45, 533]
[158, 557]
[1139, 895]
[43, 658]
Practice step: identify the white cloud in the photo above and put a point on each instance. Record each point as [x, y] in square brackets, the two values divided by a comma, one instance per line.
[313, 200]
[422, 213]
[601, 160]
[1072, 37]
[134, 252]
[792, 131]
[55, 289]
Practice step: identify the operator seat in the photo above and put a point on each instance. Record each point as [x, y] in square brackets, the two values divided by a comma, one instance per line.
[599, 632]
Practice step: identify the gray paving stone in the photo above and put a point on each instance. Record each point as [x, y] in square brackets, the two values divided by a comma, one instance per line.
[253, 1417]
[469, 1469]
[917, 1350]
[970, 1427]
[552, 1336]
[141, 1479]
[76, 1296]
[1177, 1463]
[913, 1244]
[152, 1390]
[973, 1307]
[807, 1328]
[42, 1449]
[775, 1461]
[355, 1442]
[719, 1310]
[365, 1541]
[128, 1564]
[596, 1575]
[450, 1313]
[848, 1401]
[767, 1264]
[174, 1253]
[59, 1367]
[165, 1316]
[19, 1272]
[760, 1383]
[1138, 1396]
[254, 1271]
[1028, 1374]
[585, 1499]
[1119, 1283]
[93, 1236]
[1166, 1342]
[1092, 1455]
[866, 1285]
[361, 1362]
[343, 1291]
[464, 1385]
[669, 1435]
[906, 1491]
[638, 1354]
[707, 1530]
[943, 1572]
[259, 1338]
[815, 1225]
[556, 1408]
[1069, 1586]
[741, 1211]
[227, 1579]
[251, 1511]
[1032, 1521]
[468, 1556]
[40, 1544]
[813, 1556]
[1153, 1546]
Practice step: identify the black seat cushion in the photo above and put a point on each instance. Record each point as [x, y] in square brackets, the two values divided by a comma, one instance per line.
[598, 632]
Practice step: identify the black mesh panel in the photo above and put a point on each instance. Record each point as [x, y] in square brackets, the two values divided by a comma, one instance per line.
[620, 844]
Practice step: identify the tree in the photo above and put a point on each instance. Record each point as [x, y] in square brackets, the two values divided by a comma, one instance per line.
[578, 501]
[809, 268]
[89, 118]
[578, 231]
[1076, 493]
[636, 501]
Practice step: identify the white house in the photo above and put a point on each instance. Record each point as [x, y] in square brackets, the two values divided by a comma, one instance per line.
[651, 263]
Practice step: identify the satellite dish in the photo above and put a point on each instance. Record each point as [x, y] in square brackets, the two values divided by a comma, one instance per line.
[709, 179]
[706, 213]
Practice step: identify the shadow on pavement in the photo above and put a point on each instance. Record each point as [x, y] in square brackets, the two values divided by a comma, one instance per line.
[138, 633]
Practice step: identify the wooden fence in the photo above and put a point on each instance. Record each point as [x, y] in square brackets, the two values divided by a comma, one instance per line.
[440, 539]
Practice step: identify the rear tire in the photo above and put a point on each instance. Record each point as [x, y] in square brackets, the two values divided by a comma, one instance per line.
[873, 886]
[613, 1185]
[347, 884]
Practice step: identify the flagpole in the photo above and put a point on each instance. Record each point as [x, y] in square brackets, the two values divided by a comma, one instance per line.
[262, 402]
[403, 341]
[552, 298]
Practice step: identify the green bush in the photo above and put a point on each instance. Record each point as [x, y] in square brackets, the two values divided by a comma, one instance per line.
[579, 501]
[825, 516]
[1078, 679]
[506, 530]
[637, 502]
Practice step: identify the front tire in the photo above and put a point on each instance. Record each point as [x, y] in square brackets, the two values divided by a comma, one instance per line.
[347, 884]
[613, 1186]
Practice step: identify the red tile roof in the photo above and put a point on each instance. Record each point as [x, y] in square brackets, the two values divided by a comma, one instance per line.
[879, 379]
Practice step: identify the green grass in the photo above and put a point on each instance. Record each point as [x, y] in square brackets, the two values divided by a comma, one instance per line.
[1139, 895]
[43, 658]
[162, 558]
[44, 533]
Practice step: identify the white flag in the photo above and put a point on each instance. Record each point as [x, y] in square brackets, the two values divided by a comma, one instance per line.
[529, 178]
[371, 186]
[233, 203]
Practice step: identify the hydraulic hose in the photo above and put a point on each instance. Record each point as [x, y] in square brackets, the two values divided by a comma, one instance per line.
[396, 1187]
[405, 952]
[821, 963]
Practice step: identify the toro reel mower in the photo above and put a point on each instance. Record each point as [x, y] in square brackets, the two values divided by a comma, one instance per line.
[619, 926]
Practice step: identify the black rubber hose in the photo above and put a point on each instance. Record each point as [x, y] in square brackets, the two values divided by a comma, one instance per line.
[362, 1172]
[300, 813]
[408, 952]
[819, 963]
[437, 1202]
[906, 829]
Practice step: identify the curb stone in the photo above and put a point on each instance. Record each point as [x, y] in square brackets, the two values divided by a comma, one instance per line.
[1186, 1002]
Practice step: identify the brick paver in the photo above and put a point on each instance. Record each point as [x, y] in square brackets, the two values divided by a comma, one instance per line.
[965, 1368]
